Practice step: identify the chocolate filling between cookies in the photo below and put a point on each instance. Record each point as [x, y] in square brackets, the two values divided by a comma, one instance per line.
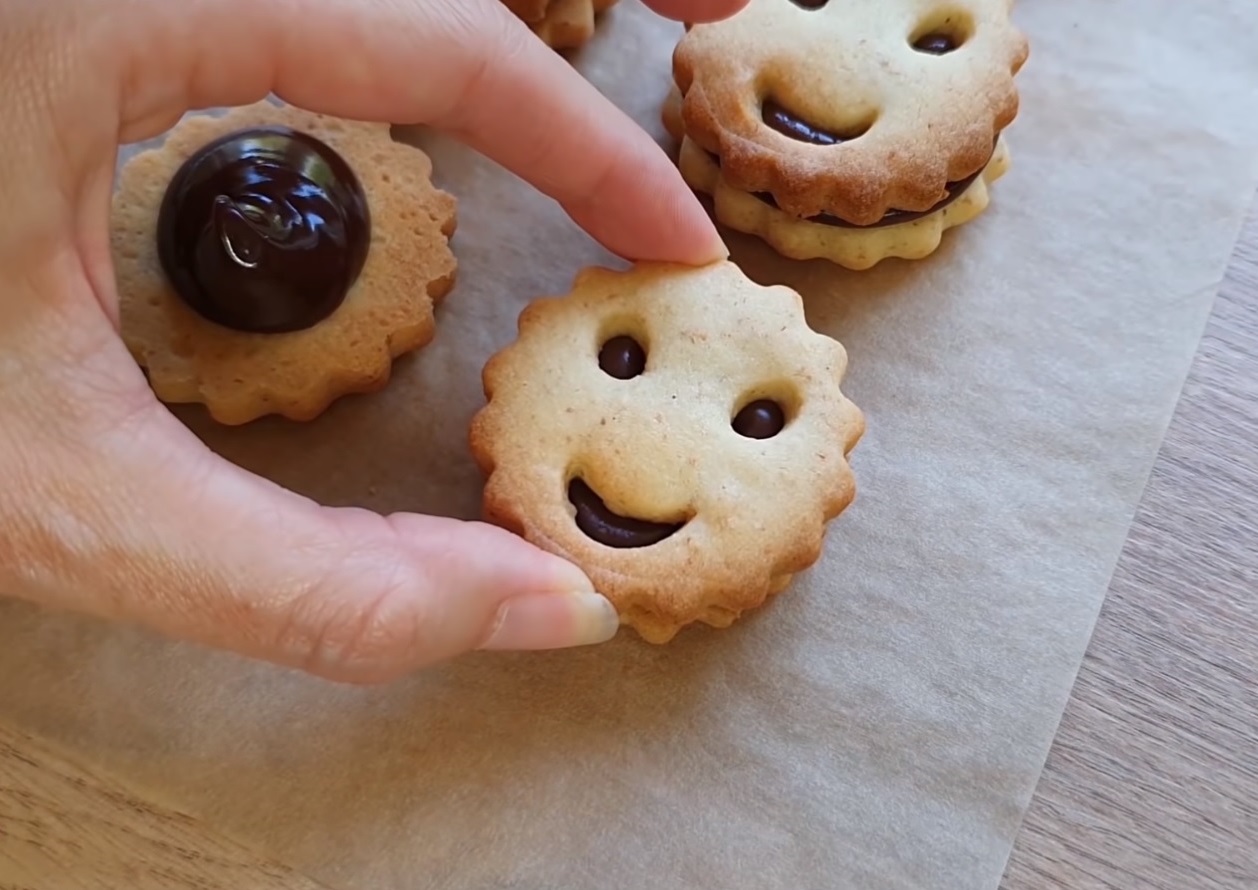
[791, 125]
[891, 217]
[601, 524]
[264, 230]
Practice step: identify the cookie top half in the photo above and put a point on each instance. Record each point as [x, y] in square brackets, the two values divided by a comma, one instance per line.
[680, 433]
[851, 107]
[276, 330]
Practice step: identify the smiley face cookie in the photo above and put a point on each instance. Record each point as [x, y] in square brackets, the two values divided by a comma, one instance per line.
[679, 433]
[270, 261]
[852, 130]
[561, 24]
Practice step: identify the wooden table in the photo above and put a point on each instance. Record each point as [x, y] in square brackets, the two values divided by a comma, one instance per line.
[1152, 783]
[1153, 780]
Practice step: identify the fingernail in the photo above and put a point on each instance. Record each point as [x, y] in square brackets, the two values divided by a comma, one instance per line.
[720, 249]
[552, 621]
[717, 249]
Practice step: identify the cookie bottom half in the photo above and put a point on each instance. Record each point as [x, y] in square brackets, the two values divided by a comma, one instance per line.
[659, 629]
[241, 376]
[852, 248]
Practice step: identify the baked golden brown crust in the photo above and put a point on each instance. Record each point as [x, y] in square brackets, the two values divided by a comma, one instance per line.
[560, 24]
[661, 447]
[242, 376]
[857, 248]
[924, 120]
[529, 11]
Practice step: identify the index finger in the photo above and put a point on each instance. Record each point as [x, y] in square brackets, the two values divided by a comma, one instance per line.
[696, 10]
[465, 66]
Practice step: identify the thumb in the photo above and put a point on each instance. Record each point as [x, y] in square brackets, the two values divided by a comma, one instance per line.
[119, 511]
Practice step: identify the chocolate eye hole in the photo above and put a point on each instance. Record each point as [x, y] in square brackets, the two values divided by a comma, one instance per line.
[761, 419]
[936, 43]
[810, 4]
[942, 31]
[622, 357]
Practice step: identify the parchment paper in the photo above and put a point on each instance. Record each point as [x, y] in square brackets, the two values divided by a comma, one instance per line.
[882, 725]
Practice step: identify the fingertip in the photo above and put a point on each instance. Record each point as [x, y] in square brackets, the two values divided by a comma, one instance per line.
[537, 600]
[708, 246]
[540, 119]
[660, 220]
[557, 574]
[694, 235]
[540, 621]
[696, 11]
[509, 562]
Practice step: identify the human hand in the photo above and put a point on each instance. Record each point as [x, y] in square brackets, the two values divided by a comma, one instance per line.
[111, 507]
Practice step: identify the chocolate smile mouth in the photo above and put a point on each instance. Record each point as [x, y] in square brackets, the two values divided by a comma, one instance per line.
[599, 523]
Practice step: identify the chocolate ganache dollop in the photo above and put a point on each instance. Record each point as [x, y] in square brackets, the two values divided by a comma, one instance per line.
[264, 230]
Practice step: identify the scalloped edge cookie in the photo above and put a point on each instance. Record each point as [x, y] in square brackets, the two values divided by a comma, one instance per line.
[240, 377]
[755, 511]
[926, 133]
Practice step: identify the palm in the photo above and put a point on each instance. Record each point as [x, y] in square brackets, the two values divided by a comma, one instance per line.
[111, 506]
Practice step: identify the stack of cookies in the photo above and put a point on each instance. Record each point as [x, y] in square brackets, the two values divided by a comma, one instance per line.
[849, 131]
[561, 24]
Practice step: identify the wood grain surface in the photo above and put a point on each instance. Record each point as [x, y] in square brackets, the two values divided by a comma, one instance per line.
[1152, 783]
[65, 828]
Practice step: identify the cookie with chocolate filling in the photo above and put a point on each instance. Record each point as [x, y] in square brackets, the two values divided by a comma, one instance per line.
[561, 24]
[271, 261]
[851, 131]
[687, 460]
